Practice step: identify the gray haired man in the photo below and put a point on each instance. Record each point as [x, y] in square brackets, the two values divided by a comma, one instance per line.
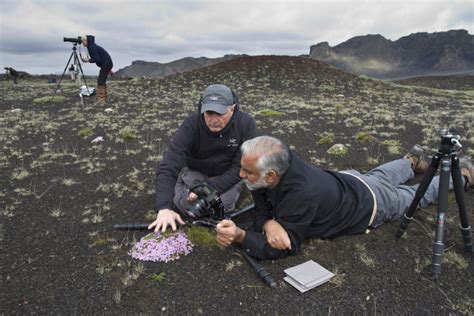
[295, 200]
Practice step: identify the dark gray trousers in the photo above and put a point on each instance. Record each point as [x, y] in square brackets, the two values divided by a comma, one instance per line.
[186, 178]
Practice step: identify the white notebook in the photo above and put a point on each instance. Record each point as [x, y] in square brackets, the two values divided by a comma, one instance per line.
[307, 275]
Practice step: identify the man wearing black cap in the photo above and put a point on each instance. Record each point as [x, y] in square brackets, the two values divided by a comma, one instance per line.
[205, 147]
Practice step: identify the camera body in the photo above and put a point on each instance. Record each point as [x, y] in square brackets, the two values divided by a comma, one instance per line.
[74, 40]
[208, 204]
[449, 140]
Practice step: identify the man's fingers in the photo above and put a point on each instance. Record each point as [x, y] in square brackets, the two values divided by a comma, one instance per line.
[180, 220]
[173, 225]
[224, 224]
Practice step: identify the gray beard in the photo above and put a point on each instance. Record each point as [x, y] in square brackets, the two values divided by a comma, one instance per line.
[260, 184]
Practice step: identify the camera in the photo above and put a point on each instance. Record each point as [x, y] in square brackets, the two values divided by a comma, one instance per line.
[449, 140]
[77, 40]
[208, 204]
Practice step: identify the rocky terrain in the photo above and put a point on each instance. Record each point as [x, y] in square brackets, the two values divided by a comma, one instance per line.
[61, 194]
[413, 55]
[418, 54]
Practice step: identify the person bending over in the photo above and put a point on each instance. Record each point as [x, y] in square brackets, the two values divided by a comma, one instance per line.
[295, 200]
[102, 59]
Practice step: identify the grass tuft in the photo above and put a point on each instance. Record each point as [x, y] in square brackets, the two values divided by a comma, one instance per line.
[202, 236]
[49, 98]
[85, 132]
[270, 113]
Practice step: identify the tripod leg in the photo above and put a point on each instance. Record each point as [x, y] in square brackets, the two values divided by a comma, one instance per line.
[438, 246]
[64, 71]
[82, 72]
[460, 200]
[420, 192]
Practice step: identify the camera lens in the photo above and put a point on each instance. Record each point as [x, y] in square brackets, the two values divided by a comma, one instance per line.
[196, 210]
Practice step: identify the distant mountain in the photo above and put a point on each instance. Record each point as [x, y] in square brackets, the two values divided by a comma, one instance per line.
[140, 68]
[412, 55]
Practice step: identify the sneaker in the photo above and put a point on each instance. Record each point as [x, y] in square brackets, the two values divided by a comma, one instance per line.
[416, 156]
[467, 171]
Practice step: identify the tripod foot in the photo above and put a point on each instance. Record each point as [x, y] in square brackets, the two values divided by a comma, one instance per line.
[466, 237]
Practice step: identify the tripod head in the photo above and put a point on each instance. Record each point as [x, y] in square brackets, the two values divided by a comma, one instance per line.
[449, 141]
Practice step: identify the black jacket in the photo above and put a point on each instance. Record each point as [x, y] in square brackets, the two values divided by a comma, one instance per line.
[309, 202]
[198, 148]
[98, 55]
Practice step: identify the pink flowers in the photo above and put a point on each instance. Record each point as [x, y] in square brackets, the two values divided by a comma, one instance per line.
[158, 248]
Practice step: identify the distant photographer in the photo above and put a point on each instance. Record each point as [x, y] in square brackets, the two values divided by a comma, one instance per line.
[102, 59]
[295, 200]
[206, 147]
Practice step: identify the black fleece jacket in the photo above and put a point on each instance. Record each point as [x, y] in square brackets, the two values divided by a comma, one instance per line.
[198, 148]
[309, 202]
[98, 55]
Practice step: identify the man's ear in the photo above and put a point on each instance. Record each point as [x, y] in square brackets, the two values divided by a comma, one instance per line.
[272, 177]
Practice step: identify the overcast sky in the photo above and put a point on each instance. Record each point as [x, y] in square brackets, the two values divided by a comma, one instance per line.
[32, 31]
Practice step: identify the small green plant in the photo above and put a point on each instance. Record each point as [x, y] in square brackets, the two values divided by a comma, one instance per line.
[201, 236]
[326, 138]
[394, 146]
[158, 277]
[339, 277]
[364, 257]
[229, 266]
[327, 88]
[20, 174]
[421, 264]
[456, 260]
[85, 132]
[338, 150]
[364, 136]
[49, 98]
[270, 113]
[128, 134]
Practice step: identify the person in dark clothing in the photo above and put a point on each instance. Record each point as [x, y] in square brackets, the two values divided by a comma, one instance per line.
[12, 73]
[295, 200]
[206, 147]
[102, 59]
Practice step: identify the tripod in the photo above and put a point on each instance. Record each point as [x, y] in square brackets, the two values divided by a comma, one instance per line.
[77, 63]
[448, 158]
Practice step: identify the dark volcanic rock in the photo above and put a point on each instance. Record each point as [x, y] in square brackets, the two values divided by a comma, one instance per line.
[415, 54]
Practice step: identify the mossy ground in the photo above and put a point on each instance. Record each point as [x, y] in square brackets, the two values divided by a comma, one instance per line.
[61, 195]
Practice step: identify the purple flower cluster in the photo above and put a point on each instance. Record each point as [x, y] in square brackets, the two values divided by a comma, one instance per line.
[158, 248]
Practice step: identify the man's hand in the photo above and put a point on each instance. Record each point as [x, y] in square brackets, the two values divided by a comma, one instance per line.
[165, 218]
[84, 59]
[277, 236]
[228, 232]
[192, 197]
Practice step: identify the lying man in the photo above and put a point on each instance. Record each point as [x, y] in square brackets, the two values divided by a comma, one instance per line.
[295, 200]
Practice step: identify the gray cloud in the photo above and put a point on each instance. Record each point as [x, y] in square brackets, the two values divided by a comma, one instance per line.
[32, 31]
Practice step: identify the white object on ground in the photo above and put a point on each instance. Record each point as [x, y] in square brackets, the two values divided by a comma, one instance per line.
[98, 139]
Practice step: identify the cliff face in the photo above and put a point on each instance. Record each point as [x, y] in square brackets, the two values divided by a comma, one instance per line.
[415, 54]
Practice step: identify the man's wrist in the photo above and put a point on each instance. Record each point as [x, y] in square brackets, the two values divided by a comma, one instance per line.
[240, 236]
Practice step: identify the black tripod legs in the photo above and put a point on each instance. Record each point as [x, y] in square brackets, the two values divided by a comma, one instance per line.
[420, 192]
[449, 164]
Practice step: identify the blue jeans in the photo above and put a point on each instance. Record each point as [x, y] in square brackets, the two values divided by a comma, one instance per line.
[393, 197]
